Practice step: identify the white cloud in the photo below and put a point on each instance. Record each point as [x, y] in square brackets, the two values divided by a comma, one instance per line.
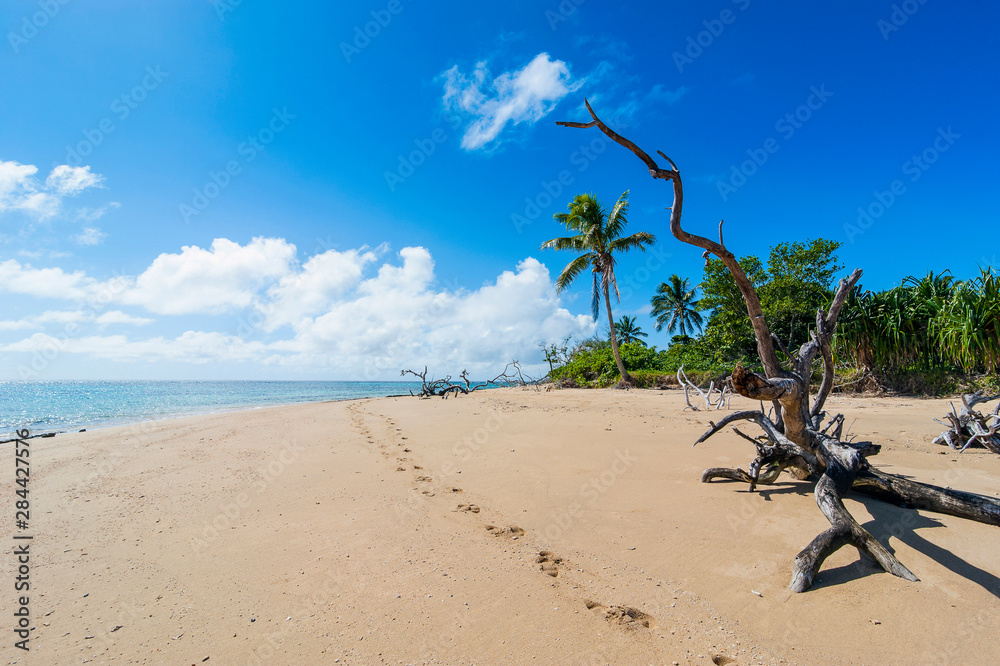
[94, 214]
[19, 278]
[348, 312]
[307, 292]
[70, 181]
[12, 325]
[661, 93]
[526, 95]
[397, 319]
[225, 277]
[20, 190]
[71, 319]
[191, 347]
[90, 236]
[119, 317]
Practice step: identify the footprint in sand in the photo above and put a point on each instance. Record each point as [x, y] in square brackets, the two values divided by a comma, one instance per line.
[474, 508]
[424, 478]
[512, 531]
[722, 660]
[549, 562]
[400, 469]
[625, 616]
[417, 467]
[456, 490]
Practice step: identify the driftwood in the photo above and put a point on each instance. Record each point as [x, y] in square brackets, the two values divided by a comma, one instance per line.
[512, 375]
[24, 434]
[971, 428]
[725, 393]
[796, 439]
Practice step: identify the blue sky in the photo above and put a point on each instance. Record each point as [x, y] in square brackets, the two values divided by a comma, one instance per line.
[199, 189]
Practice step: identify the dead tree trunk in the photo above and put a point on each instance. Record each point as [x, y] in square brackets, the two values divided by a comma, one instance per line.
[796, 440]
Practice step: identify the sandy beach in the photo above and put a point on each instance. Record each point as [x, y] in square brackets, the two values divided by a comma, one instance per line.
[508, 527]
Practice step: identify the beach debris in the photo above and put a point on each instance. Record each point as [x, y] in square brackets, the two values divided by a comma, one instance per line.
[757, 593]
[512, 375]
[725, 393]
[970, 427]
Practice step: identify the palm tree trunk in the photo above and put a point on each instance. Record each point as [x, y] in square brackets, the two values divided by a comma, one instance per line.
[627, 378]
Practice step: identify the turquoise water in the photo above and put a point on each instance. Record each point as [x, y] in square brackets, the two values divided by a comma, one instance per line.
[69, 405]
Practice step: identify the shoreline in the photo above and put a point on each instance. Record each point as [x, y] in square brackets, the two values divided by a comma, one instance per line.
[99, 423]
[508, 526]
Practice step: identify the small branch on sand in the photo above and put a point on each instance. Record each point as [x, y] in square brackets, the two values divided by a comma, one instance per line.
[725, 393]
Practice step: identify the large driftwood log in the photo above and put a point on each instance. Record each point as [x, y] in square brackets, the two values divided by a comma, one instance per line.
[795, 439]
[970, 427]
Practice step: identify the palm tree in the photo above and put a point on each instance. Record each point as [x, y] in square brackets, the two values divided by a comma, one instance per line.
[599, 237]
[626, 329]
[674, 306]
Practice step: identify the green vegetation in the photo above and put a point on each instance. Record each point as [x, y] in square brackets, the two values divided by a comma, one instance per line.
[798, 279]
[932, 323]
[933, 335]
[599, 237]
[591, 363]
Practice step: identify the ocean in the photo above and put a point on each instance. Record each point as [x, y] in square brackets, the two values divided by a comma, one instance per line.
[54, 406]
